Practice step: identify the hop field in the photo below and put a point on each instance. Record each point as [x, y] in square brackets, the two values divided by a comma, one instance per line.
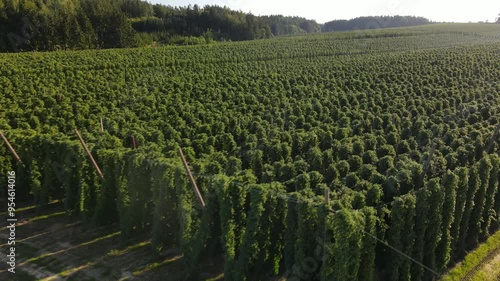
[398, 126]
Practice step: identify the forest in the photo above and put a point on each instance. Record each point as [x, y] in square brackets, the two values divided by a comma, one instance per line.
[362, 23]
[36, 25]
[312, 153]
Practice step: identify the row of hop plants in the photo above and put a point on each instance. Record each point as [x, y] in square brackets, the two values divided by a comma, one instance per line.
[262, 230]
[336, 99]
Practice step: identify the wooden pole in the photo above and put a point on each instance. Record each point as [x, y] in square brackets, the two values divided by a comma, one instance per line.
[102, 126]
[327, 197]
[11, 148]
[190, 176]
[89, 154]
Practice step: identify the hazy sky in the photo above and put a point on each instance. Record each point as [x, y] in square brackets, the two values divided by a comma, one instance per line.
[323, 10]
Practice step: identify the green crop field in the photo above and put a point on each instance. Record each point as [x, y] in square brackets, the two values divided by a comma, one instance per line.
[399, 127]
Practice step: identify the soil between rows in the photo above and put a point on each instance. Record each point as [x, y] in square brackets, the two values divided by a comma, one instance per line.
[50, 245]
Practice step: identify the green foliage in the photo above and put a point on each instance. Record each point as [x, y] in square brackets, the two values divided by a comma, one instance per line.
[433, 234]
[348, 245]
[56, 25]
[372, 23]
[491, 192]
[187, 211]
[473, 186]
[87, 192]
[72, 166]
[248, 259]
[401, 236]
[228, 231]
[106, 211]
[443, 254]
[205, 238]
[291, 226]
[24, 171]
[232, 204]
[463, 180]
[48, 179]
[326, 245]
[264, 143]
[495, 224]
[137, 208]
[475, 220]
[305, 240]
[165, 224]
[367, 269]
[422, 215]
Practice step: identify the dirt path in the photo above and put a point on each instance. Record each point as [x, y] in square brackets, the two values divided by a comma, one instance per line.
[51, 246]
[37, 272]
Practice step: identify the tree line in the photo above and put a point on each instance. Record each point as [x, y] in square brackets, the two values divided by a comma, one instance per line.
[362, 23]
[35, 25]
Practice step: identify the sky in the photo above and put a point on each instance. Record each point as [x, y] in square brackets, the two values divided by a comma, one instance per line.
[323, 10]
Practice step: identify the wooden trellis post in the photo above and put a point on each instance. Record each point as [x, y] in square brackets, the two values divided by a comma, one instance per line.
[102, 126]
[11, 148]
[89, 154]
[134, 144]
[327, 197]
[191, 179]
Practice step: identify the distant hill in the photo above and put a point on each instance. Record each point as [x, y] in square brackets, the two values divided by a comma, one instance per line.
[373, 23]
